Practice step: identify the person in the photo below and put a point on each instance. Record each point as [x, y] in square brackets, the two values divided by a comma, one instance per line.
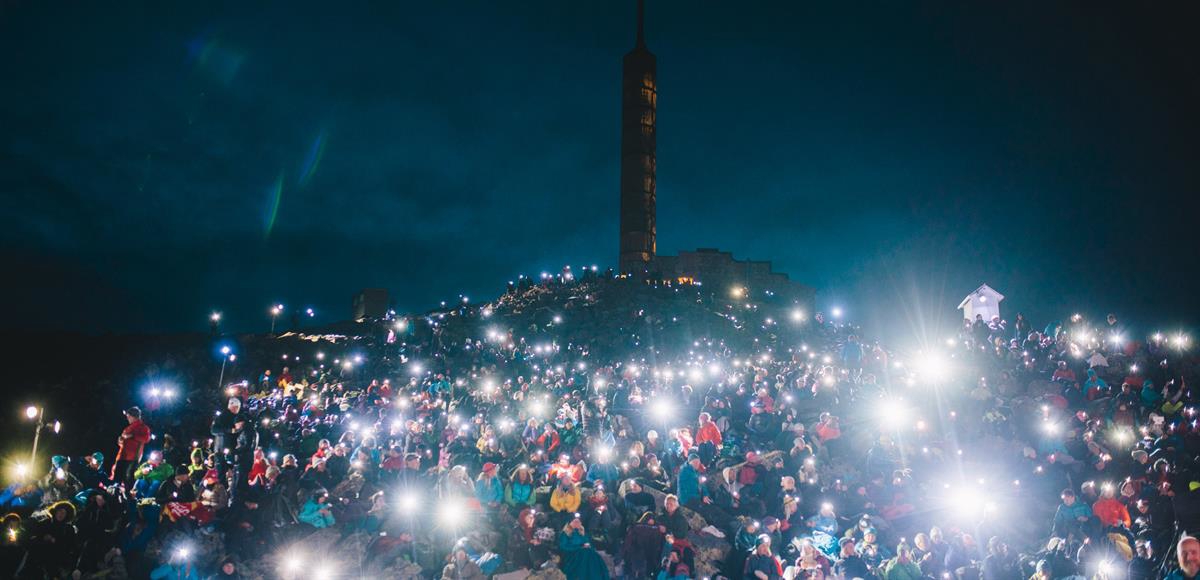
[708, 439]
[1109, 510]
[999, 565]
[565, 499]
[1142, 566]
[222, 430]
[1072, 517]
[1187, 553]
[130, 446]
[762, 564]
[461, 567]
[525, 549]
[637, 500]
[671, 518]
[53, 542]
[59, 483]
[580, 560]
[177, 489]
[642, 547]
[851, 565]
[902, 566]
[178, 567]
[90, 471]
[691, 491]
[245, 441]
[521, 492]
[488, 488]
[316, 511]
[227, 571]
[150, 475]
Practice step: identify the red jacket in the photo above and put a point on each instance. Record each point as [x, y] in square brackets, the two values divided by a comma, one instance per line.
[131, 447]
[708, 432]
[1111, 512]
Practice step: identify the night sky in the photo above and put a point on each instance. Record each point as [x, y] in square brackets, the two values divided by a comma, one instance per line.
[159, 160]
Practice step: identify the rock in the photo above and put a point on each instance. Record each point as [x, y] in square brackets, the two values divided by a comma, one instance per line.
[402, 569]
[521, 574]
[710, 553]
[349, 487]
[547, 573]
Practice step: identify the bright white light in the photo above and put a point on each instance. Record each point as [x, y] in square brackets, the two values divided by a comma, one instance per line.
[225, 350]
[410, 502]
[416, 368]
[661, 408]
[31, 411]
[537, 407]
[797, 315]
[932, 366]
[450, 513]
[215, 317]
[893, 413]
[971, 503]
[836, 312]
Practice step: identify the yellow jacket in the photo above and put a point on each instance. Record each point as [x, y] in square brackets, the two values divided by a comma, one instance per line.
[561, 501]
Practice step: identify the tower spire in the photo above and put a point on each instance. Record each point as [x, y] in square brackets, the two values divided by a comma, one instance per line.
[641, 24]
[639, 103]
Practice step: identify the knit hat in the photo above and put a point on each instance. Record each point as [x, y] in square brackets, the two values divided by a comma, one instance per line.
[58, 460]
[489, 467]
[99, 457]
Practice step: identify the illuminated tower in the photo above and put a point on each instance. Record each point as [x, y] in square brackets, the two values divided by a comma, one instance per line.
[639, 98]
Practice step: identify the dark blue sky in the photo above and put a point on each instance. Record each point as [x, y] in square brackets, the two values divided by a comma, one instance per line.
[893, 155]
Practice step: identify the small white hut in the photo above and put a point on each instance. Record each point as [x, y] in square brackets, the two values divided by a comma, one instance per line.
[983, 301]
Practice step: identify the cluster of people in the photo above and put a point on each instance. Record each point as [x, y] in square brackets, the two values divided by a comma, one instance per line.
[508, 437]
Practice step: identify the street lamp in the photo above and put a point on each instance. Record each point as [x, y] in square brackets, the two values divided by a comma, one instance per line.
[225, 357]
[214, 320]
[34, 412]
[276, 310]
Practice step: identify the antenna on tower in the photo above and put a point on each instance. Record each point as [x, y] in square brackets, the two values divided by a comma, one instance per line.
[641, 23]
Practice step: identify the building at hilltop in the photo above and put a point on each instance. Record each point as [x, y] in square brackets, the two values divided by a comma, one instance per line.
[638, 255]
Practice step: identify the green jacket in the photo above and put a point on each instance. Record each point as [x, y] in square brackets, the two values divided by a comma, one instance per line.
[906, 571]
[150, 473]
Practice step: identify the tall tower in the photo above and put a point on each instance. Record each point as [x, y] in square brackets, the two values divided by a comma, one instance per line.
[639, 99]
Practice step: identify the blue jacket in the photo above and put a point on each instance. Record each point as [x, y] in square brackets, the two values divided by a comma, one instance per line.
[1065, 517]
[689, 487]
[571, 542]
[602, 472]
[170, 572]
[489, 490]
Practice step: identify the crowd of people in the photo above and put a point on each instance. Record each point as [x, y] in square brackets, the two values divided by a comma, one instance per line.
[479, 441]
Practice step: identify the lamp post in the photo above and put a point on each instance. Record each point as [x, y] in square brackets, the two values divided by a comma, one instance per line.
[214, 320]
[225, 357]
[276, 310]
[34, 412]
[39, 414]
